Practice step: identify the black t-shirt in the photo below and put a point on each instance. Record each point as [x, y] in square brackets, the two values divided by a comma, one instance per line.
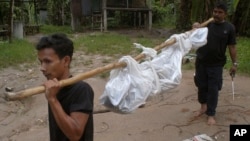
[220, 35]
[74, 98]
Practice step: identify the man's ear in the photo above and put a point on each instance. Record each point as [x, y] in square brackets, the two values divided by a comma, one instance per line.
[66, 61]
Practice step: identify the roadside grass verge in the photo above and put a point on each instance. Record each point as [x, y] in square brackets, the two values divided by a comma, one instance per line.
[112, 44]
[17, 52]
[49, 29]
[104, 43]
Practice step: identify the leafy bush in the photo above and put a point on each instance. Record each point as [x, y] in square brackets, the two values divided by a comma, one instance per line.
[163, 15]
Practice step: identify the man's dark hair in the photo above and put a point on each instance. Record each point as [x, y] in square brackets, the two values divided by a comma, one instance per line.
[59, 42]
[221, 5]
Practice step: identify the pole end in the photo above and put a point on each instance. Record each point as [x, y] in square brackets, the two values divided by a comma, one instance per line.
[8, 96]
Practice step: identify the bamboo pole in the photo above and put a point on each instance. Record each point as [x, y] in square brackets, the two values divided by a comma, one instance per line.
[82, 76]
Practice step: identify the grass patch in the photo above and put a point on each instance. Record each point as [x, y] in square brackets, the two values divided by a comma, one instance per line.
[104, 43]
[49, 29]
[243, 55]
[112, 43]
[17, 52]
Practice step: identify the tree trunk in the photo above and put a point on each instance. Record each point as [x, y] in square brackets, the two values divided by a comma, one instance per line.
[11, 20]
[241, 18]
[202, 10]
[62, 14]
[75, 7]
[183, 13]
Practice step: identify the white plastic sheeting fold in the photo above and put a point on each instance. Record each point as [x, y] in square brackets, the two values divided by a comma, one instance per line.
[129, 87]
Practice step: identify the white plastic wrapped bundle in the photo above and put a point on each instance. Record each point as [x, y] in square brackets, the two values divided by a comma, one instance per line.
[147, 68]
[168, 63]
[129, 87]
[198, 37]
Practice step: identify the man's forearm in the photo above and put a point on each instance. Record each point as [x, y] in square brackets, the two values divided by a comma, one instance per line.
[233, 53]
[68, 126]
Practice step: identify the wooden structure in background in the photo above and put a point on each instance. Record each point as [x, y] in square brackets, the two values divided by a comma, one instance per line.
[9, 31]
[4, 32]
[140, 12]
[31, 29]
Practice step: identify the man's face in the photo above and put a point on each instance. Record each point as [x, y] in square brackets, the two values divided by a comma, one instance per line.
[219, 15]
[51, 65]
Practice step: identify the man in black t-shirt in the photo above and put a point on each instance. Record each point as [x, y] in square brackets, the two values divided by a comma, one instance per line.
[211, 59]
[70, 107]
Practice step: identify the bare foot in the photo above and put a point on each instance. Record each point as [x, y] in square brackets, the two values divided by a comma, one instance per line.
[201, 111]
[197, 114]
[211, 120]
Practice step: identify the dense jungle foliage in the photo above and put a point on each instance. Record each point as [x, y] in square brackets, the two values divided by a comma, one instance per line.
[178, 13]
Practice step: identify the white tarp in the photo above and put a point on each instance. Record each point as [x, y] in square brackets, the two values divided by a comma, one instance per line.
[129, 87]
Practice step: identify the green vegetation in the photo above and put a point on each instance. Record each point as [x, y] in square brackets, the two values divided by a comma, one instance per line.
[20, 51]
[243, 56]
[49, 29]
[112, 44]
[104, 43]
